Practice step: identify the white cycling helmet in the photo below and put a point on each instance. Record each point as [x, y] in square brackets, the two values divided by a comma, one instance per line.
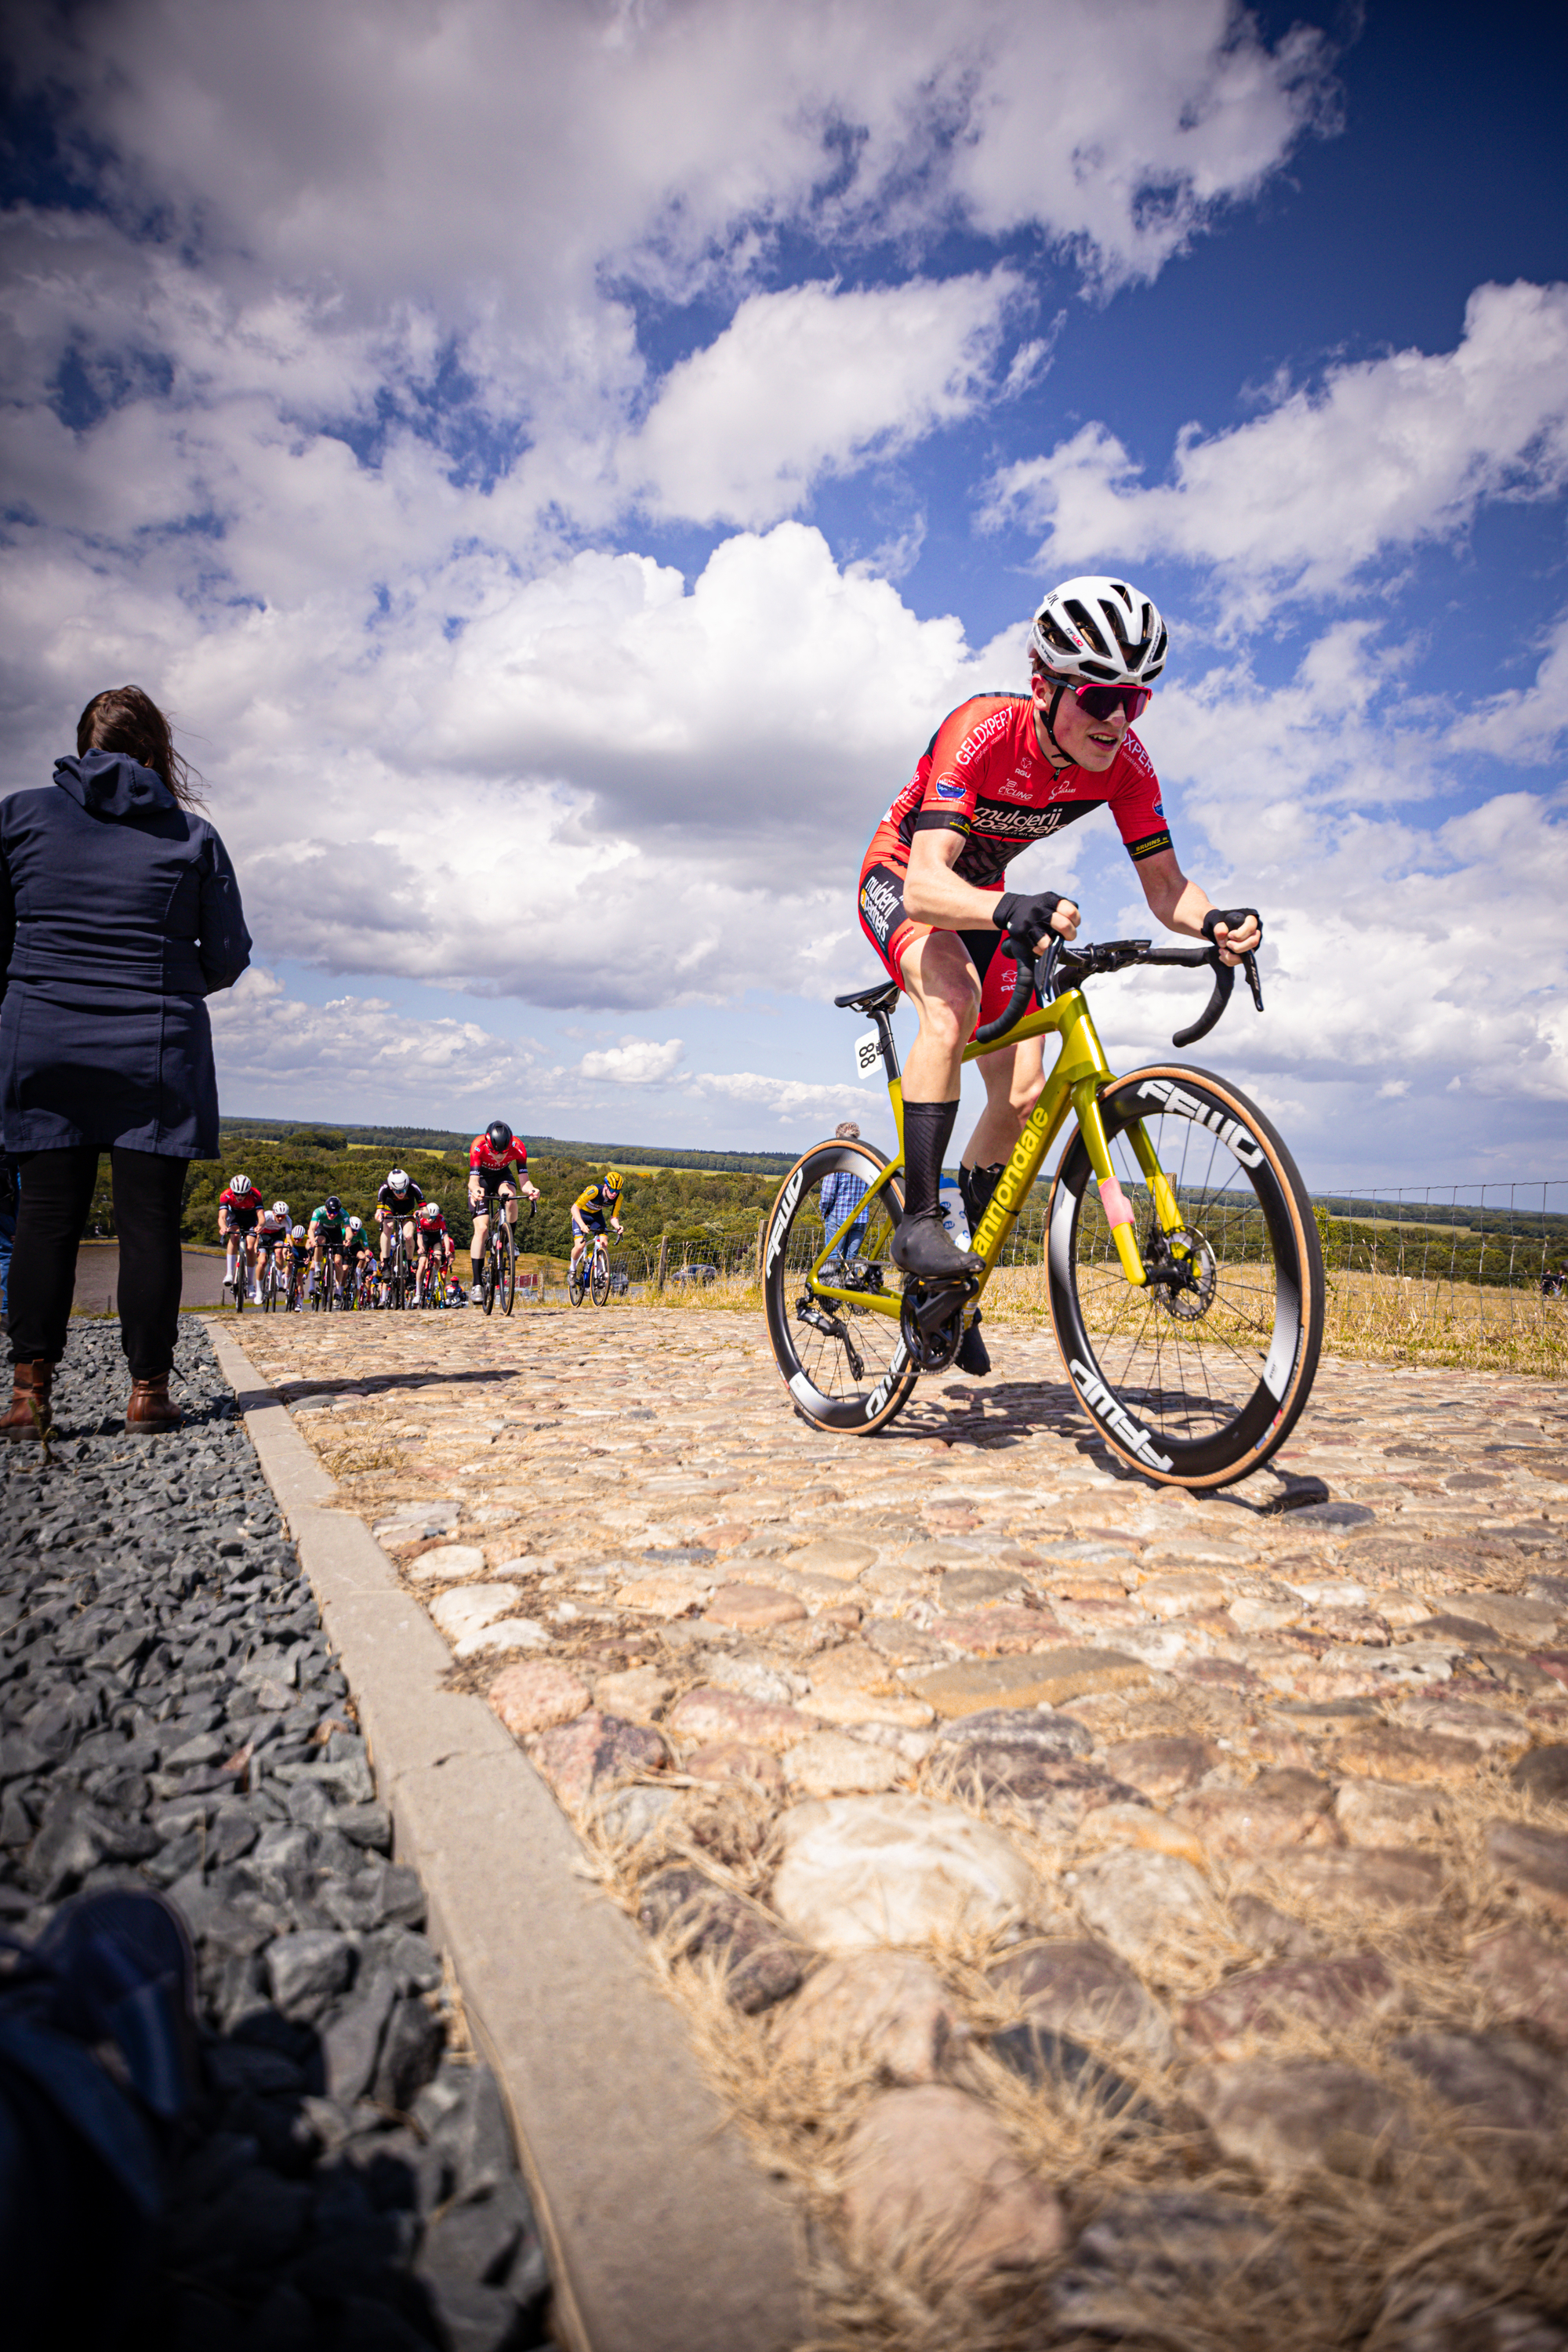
[240, 1184]
[280, 1208]
[356, 1226]
[398, 1179]
[298, 1234]
[1100, 632]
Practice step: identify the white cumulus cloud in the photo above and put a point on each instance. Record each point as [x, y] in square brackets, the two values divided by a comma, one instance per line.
[1386, 453]
[785, 1096]
[812, 381]
[637, 1063]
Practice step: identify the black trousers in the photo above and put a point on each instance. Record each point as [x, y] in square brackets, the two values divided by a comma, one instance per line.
[57, 1193]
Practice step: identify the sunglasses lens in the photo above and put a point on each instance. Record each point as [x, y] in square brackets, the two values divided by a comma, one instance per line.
[1105, 701]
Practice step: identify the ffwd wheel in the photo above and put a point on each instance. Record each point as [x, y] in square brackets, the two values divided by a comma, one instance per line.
[846, 1366]
[1198, 1378]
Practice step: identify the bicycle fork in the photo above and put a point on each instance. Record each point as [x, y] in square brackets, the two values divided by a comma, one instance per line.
[1040, 1129]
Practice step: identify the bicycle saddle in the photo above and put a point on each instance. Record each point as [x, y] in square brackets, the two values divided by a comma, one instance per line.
[879, 998]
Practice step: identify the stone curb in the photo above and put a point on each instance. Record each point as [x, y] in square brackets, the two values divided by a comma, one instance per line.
[663, 2235]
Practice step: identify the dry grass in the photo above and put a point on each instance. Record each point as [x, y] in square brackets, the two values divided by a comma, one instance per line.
[1401, 1318]
[1385, 1318]
[1379, 1319]
[738, 1293]
[1325, 2262]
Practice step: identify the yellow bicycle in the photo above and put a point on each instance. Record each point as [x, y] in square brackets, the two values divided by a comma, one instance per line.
[1184, 1273]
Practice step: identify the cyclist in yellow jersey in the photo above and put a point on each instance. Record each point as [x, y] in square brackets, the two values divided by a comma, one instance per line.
[593, 1206]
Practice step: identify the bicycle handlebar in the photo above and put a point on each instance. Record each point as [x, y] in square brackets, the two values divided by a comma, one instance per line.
[1064, 966]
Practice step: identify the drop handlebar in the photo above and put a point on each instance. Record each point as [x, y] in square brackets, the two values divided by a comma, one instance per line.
[1063, 967]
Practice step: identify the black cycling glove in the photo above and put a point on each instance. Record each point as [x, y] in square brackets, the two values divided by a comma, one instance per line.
[1232, 917]
[1026, 914]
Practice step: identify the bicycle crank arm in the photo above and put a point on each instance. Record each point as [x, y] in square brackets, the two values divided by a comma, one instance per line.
[933, 1305]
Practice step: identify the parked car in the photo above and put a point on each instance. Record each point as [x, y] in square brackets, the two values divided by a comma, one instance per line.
[694, 1274]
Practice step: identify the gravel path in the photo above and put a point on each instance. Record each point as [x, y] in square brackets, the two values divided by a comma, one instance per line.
[169, 1714]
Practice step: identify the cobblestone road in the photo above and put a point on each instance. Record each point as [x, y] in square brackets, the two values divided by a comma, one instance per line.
[1003, 1797]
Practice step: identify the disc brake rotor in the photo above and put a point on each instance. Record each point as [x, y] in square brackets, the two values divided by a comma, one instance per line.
[1192, 1297]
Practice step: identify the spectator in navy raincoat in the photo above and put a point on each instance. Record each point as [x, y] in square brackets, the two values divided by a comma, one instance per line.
[120, 914]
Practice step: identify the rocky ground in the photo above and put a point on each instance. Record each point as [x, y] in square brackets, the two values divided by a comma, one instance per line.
[1126, 1917]
[170, 1715]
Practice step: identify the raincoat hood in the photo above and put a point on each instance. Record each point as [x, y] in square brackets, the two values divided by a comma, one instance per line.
[107, 784]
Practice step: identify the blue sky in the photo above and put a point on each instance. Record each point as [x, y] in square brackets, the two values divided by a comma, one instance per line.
[559, 461]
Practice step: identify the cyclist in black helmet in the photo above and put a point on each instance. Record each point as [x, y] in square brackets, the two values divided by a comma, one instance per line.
[496, 1158]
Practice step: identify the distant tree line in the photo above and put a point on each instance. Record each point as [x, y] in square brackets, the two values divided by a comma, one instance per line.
[402, 1139]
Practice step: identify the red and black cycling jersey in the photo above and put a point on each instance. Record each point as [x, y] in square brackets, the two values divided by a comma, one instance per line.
[492, 1166]
[432, 1218]
[405, 1202]
[984, 775]
[244, 1209]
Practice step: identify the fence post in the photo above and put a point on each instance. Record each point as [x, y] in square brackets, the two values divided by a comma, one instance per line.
[663, 1261]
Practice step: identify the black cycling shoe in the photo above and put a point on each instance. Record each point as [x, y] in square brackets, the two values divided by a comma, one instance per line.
[975, 1186]
[972, 1357]
[923, 1245]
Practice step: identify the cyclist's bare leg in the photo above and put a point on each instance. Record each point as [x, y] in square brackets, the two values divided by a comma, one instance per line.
[943, 984]
[1014, 1083]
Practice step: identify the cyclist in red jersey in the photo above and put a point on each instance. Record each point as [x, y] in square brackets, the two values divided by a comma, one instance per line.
[1000, 772]
[494, 1159]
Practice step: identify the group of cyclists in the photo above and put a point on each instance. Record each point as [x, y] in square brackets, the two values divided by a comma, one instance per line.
[337, 1259]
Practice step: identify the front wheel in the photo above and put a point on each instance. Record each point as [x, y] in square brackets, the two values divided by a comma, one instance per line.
[846, 1365]
[1197, 1377]
[601, 1279]
[505, 1270]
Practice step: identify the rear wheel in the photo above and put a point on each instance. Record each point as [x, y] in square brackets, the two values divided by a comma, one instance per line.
[1199, 1378]
[577, 1280]
[846, 1366]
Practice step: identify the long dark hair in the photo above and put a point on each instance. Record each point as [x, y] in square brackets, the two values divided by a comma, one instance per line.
[122, 719]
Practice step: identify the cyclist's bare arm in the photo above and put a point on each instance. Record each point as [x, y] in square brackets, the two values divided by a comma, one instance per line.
[935, 894]
[1182, 905]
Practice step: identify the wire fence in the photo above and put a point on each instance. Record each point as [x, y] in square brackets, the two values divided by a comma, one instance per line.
[1472, 1276]
[1468, 1274]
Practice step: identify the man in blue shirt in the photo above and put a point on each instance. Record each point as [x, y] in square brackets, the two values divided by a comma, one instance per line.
[840, 1191]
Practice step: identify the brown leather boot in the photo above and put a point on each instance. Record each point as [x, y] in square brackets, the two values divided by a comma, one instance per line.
[150, 1410]
[29, 1416]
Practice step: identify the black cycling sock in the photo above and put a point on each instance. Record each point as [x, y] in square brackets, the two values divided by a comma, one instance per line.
[928, 1132]
[975, 1187]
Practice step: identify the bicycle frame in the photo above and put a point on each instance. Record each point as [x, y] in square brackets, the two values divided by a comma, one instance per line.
[1076, 1081]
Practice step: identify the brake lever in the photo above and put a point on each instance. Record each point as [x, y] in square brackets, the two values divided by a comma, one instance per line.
[1249, 966]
